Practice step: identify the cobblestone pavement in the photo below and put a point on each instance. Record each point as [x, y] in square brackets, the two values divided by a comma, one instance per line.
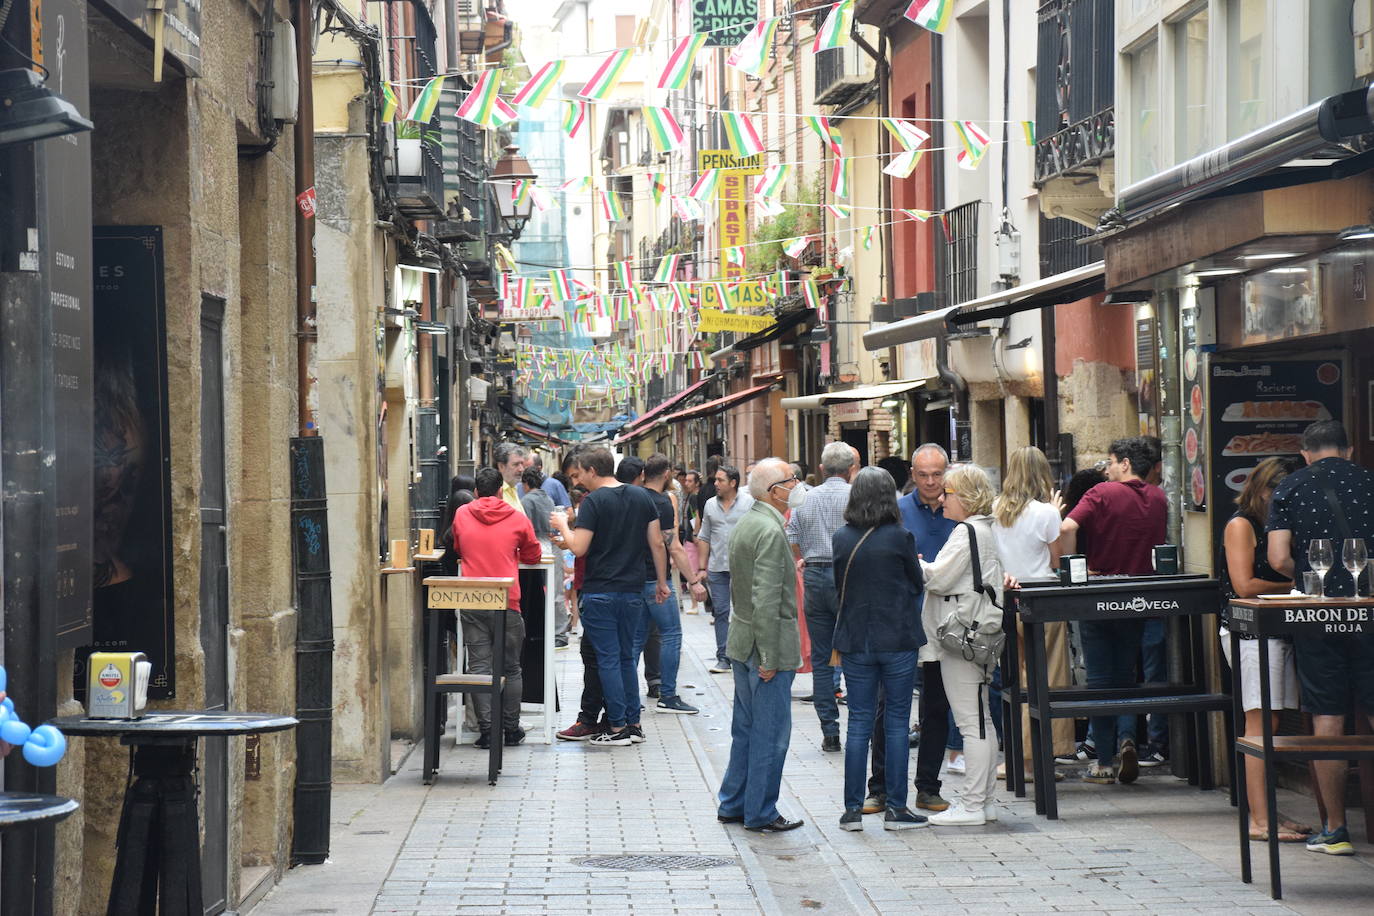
[461, 846]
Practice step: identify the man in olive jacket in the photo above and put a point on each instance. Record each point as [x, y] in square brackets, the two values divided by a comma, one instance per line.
[764, 649]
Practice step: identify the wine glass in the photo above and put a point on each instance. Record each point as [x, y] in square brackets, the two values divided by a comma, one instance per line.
[1320, 558]
[1354, 556]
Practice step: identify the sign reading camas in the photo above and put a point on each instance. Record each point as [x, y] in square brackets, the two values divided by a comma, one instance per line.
[725, 21]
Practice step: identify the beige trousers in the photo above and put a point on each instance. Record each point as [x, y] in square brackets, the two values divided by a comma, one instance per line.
[1057, 661]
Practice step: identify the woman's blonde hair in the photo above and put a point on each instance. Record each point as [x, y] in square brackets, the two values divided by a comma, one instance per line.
[1029, 479]
[970, 483]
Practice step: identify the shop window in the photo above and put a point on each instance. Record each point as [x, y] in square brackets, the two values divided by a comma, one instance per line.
[1145, 126]
[1246, 65]
[1192, 87]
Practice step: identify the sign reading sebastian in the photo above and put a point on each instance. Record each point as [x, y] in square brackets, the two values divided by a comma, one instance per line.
[731, 198]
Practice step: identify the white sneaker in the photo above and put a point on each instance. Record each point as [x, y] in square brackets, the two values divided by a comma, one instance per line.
[956, 815]
[956, 765]
[990, 812]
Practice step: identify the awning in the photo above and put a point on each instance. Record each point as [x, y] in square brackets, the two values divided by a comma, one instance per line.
[1062, 287]
[641, 424]
[719, 404]
[863, 393]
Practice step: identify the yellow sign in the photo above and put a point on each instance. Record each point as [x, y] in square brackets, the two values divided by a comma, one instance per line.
[715, 320]
[732, 194]
[469, 593]
[742, 296]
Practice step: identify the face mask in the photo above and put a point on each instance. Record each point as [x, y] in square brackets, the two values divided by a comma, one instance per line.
[796, 496]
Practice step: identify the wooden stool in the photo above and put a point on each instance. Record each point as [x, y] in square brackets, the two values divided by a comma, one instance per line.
[452, 594]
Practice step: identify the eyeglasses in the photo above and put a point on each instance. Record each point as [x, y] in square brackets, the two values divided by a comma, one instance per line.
[781, 482]
[948, 491]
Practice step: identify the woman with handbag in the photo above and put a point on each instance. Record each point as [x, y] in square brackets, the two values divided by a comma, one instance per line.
[877, 635]
[963, 621]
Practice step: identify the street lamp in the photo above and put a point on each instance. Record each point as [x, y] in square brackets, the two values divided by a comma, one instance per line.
[510, 169]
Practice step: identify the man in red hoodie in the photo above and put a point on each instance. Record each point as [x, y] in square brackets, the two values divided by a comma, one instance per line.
[492, 539]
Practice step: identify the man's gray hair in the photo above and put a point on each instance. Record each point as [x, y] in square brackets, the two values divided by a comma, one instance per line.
[508, 450]
[766, 473]
[930, 447]
[837, 458]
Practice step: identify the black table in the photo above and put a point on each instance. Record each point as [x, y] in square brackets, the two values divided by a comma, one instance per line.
[1292, 616]
[24, 809]
[1108, 598]
[157, 867]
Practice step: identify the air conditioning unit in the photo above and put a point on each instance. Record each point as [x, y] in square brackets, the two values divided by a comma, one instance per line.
[841, 73]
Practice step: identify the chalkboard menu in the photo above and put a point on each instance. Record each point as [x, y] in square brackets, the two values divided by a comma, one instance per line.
[1259, 410]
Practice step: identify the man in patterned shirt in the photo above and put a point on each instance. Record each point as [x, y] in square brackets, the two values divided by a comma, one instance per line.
[809, 530]
[1330, 498]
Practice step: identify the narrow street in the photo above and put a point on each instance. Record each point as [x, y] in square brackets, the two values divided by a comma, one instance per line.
[460, 846]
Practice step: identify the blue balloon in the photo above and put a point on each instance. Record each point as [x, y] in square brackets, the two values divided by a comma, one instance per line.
[45, 746]
[3, 677]
[14, 731]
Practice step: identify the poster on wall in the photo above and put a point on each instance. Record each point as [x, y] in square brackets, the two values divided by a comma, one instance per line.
[1259, 410]
[1194, 417]
[1146, 368]
[131, 557]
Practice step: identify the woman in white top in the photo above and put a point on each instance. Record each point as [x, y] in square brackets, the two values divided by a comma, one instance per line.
[1026, 521]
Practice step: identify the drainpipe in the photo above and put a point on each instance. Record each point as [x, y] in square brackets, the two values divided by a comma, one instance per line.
[960, 411]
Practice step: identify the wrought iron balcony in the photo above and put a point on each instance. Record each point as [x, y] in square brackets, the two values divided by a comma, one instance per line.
[1075, 93]
[1076, 148]
[842, 73]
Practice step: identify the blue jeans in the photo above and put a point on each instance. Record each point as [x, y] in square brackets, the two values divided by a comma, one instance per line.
[821, 609]
[863, 672]
[760, 730]
[718, 583]
[611, 620]
[664, 616]
[1154, 665]
[1110, 649]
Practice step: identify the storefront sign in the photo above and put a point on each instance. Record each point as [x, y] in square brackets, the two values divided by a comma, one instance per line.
[748, 296]
[1282, 303]
[1258, 410]
[180, 26]
[713, 320]
[725, 21]
[467, 594]
[131, 555]
[850, 411]
[732, 195]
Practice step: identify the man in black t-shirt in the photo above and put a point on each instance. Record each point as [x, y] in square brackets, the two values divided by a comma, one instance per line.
[617, 530]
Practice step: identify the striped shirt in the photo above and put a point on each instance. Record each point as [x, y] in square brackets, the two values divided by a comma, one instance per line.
[815, 521]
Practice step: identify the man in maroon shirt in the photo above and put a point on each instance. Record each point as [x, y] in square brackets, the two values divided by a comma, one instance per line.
[1124, 518]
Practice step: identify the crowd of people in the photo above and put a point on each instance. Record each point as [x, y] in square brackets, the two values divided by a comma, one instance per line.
[895, 582]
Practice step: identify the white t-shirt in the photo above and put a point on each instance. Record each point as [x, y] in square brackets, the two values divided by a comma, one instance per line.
[1025, 546]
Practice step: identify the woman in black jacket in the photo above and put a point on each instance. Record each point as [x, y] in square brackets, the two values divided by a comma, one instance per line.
[877, 633]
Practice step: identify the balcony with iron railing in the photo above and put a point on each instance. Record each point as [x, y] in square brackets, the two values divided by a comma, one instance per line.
[1075, 90]
[416, 177]
[465, 175]
[958, 257]
[842, 74]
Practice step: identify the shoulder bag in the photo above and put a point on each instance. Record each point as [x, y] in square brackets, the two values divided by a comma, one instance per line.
[835, 659]
[973, 629]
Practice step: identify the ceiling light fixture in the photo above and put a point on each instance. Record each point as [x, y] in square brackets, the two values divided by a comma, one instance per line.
[1218, 271]
[1269, 256]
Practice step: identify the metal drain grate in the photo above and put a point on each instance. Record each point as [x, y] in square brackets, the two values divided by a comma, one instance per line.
[656, 862]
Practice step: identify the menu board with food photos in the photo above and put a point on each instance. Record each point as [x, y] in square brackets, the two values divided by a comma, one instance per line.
[1194, 417]
[1259, 410]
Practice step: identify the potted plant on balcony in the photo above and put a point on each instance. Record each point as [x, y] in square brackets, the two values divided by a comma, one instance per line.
[410, 139]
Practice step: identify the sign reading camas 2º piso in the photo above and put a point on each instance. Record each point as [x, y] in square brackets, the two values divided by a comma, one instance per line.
[725, 21]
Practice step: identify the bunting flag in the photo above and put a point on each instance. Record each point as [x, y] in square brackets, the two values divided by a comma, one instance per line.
[796, 246]
[975, 144]
[780, 282]
[679, 67]
[389, 103]
[769, 207]
[667, 268]
[541, 198]
[428, 99]
[658, 185]
[536, 92]
[722, 296]
[931, 14]
[835, 30]
[561, 283]
[918, 215]
[751, 54]
[574, 116]
[663, 128]
[502, 114]
[622, 274]
[903, 164]
[636, 292]
[944, 224]
[682, 296]
[705, 187]
[906, 133]
[839, 177]
[1028, 131]
[740, 133]
[839, 211]
[520, 192]
[812, 294]
[480, 105]
[610, 206]
[828, 134]
[734, 255]
[611, 71]
[866, 236]
[577, 184]
[770, 183]
[687, 209]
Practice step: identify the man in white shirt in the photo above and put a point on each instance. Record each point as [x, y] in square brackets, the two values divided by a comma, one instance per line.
[718, 520]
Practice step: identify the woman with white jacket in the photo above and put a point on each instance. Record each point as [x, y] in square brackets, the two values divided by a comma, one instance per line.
[948, 580]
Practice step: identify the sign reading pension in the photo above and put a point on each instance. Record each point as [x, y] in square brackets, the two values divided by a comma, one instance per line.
[726, 22]
[732, 197]
[713, 320]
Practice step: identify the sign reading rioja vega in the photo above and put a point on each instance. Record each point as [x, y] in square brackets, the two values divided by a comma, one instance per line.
[726, 22]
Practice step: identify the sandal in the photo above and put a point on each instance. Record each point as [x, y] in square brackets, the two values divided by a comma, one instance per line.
[1286, 824]
[1285, 836]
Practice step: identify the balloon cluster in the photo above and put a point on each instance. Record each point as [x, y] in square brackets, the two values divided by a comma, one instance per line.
[43, 746]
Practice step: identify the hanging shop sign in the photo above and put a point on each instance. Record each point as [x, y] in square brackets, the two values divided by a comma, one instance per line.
[725, 21]
[750, 295]
[713, 320]
[175, 22]
[1282, 303]
[732, 198]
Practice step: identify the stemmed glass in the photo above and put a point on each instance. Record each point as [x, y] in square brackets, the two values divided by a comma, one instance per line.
[1320, 558]
[1354, 556]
